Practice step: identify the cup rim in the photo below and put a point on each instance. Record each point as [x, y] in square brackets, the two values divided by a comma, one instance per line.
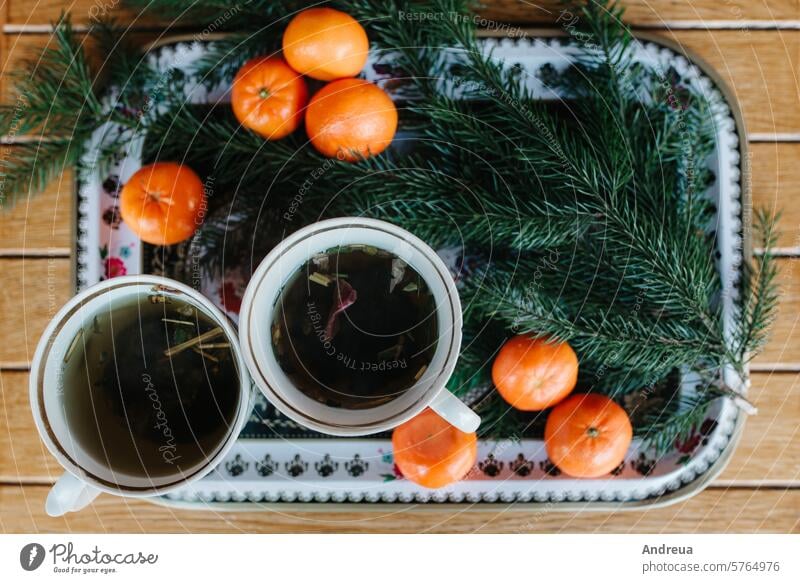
[42, 353]
[254, 355]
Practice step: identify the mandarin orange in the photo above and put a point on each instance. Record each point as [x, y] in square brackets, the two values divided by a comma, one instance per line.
[163, 203]
[268, 97]
[431, 452]
[325, 44]
[351, 118]
[587, 435]
[532, 374]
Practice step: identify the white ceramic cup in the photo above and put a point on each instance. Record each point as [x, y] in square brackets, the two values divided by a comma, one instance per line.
[258, 310]
[86, 476]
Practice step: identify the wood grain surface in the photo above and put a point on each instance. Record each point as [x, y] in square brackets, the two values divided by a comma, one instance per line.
[651, 13]
[31, 292]
[41, 225]
[720, 510]
[754, 45]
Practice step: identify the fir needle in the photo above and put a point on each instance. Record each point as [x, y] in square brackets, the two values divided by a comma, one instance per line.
[745, 405]
[210, 357]
[189, 343]
[320, 278]
[72, 345]
[181, 322]
[420, 372]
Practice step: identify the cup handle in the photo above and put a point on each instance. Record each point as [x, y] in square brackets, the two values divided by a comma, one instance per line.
[69, 494]
[455, 412]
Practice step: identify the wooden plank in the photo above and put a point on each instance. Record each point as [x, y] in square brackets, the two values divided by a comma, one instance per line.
[775, 183]
[22, 14]
[769, 452]
[719, 511]
[23, 456]
[3, 47]
[641, 12]
[31, 292]
[28, 47]
[783, 346]
[656, 13]
[761, 69]
[42, 222]
[19, 48]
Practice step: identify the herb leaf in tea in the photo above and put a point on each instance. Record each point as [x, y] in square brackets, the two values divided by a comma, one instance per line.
[355, 327]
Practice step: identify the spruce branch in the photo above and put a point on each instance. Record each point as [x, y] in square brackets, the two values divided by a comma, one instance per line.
[481, 342]
[445, 209]
[499, 420]
[618, 341]
[223, 58]
[54, 96]
[676, 422]
[54, 92]
[30, 167]
[759, 291]
[210, 138]
[124, 66]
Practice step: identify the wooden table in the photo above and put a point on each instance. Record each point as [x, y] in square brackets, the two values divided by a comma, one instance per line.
[754, 46]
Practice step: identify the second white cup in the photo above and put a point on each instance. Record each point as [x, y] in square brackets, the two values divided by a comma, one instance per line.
[263, 293]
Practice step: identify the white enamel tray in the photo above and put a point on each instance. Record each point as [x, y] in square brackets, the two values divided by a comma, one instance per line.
[262, 473]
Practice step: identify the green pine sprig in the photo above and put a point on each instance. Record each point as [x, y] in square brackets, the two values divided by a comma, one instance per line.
[676, 422]
[759, 291]
[55, 104]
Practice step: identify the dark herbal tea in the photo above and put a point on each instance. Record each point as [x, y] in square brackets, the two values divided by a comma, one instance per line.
[151, 387]
[355, 327]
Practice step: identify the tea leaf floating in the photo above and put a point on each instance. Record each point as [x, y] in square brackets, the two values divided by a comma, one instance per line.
[174, 321]
[345, 297]
[383, 335]
[320, 278]
[72, 345]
